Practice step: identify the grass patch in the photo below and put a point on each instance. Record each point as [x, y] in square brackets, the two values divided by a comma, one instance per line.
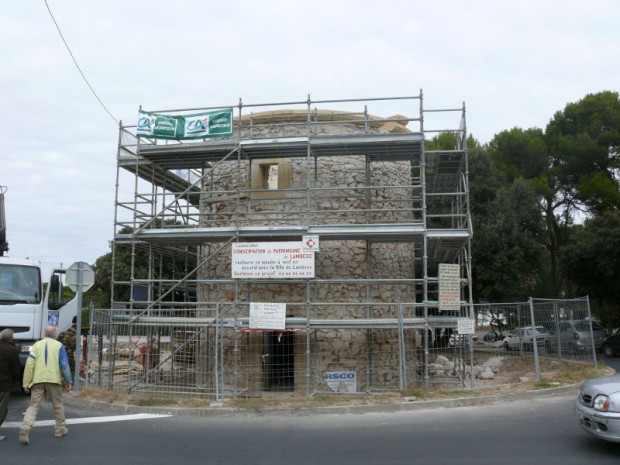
[153, 402]
[101, 395]
[317, 401]
[246, 403]
[193, 403]
[572, 373]
[519, 371]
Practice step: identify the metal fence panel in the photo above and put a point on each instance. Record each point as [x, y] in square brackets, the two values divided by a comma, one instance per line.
[169, 355]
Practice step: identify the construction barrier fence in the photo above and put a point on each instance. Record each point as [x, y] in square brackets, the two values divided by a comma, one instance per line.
[210, 354]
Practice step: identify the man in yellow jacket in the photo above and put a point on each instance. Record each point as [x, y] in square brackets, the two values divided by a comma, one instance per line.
[46, 365]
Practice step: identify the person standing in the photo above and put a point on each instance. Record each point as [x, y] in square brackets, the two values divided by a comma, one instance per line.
[9, 372]
[68, 339]
[46, 366]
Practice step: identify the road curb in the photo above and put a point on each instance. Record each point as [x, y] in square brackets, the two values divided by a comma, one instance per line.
[216, 411]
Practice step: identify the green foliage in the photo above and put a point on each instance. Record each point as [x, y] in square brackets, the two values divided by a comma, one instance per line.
[507, 248]
[520, 153]
[485, 180]
[99, 293]
[443, 141]
[600, 190]
[584, 141]
[146, 267]
[572, 167]
[507, 224]
[592, 258]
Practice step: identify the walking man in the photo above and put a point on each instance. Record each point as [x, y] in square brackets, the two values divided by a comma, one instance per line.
[9, 372]
[46, 366]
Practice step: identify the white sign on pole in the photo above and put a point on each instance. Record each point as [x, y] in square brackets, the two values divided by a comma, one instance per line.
[80, 277]
[271, 260]
[465, 326]
[80, 273]
[449, 286]
[267, 315]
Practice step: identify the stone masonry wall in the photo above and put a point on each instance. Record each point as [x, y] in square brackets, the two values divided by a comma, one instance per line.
[341, 198]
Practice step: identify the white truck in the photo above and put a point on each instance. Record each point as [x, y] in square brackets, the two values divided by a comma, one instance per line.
[25, 307]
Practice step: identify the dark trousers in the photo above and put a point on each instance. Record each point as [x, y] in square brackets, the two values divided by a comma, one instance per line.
[4, 405]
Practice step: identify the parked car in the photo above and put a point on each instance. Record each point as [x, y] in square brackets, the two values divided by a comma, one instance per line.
[523, 338]
[575, 336]
[493, 336]
[611, 345]
[598, 407]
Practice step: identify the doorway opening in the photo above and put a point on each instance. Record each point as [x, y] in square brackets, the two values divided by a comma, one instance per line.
[278, 361]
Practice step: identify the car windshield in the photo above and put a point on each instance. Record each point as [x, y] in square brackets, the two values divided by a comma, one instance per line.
[19, 284]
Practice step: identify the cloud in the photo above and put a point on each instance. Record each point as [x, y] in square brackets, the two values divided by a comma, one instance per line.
[512, 64]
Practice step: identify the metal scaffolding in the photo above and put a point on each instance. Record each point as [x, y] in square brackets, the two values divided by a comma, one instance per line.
[361, 183]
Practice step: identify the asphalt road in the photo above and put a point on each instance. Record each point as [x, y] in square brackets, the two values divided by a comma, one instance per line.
[539, 431]
[612, 362]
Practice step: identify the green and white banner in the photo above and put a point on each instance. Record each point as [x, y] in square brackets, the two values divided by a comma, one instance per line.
[197, 126]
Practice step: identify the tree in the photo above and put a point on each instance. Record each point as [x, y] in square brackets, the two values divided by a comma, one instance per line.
[100, 293]
[507, 250]
[592, 258]
[572, 166]
[157, 269]
[521, 153]
[584, 157]
[524, 154]
[583, 145]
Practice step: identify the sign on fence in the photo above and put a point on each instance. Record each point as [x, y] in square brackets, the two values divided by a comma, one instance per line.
[271, 260]
[465, 326]
[267, 315]
[341, 381]
[449, 286]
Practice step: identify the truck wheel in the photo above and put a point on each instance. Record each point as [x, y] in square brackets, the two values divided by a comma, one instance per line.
[608, 351]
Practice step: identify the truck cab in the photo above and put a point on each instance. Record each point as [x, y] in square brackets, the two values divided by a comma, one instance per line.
[27, 306]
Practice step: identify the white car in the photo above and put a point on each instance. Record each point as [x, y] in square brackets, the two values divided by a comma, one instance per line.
[522, 338]
[598, 407]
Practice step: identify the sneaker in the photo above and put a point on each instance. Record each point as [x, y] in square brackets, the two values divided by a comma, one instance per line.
[63, 432]
[2, 437]
[23, 437]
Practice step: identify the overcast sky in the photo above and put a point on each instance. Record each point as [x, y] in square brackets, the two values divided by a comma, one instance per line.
[511, 63]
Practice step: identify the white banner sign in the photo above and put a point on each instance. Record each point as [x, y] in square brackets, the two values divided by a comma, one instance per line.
[465, 326]
[267, 315]
[271, 260]
[449, 286]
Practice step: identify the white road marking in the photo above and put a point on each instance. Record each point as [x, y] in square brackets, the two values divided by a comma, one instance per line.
[80, 421]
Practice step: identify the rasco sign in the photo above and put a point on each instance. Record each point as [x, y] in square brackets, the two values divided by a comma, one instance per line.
[197, 126]
[341, 381]
[339, 375]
